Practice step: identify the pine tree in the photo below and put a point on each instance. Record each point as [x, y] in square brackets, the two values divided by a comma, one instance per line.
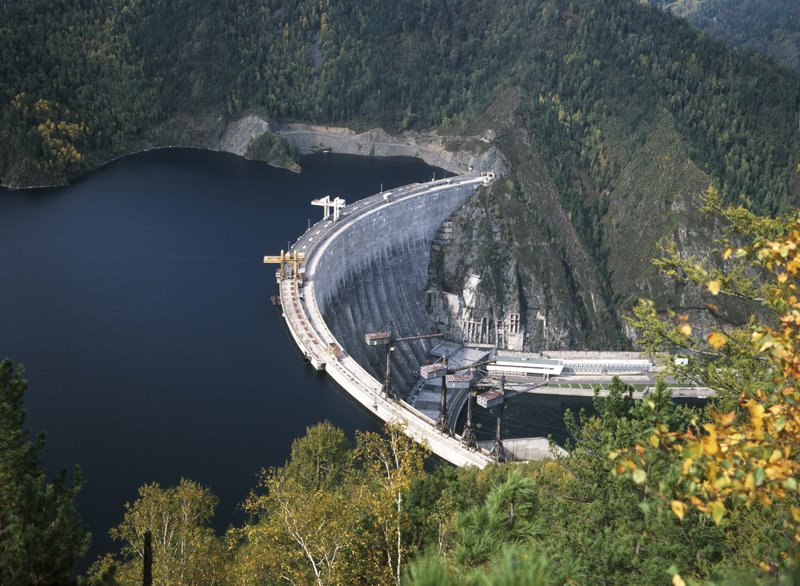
[41, 536]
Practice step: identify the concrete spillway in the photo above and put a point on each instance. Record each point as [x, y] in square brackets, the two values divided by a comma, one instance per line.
[377, 272]
[362, 271]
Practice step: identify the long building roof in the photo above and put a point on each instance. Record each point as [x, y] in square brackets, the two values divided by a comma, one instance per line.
[527, 361]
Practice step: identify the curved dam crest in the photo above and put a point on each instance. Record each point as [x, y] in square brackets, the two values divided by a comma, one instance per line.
[362, 271]
[376, 272]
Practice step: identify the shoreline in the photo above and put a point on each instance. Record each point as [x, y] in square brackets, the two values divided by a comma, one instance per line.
[236, 137]
[428, 146]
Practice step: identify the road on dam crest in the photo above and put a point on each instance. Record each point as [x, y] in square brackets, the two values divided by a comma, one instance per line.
[400, 222]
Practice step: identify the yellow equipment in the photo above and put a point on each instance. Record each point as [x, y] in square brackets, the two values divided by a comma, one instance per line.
[292, 258]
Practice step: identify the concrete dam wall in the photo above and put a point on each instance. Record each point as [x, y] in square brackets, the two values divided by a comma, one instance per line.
[362, 270]
[377, 271]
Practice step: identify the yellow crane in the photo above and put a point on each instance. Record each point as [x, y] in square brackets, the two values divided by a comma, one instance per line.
[291, 258]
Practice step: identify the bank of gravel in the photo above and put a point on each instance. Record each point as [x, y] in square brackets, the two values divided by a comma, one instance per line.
[428, 146]
[237, 136]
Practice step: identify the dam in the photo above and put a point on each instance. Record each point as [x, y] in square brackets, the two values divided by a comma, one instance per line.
[359, 269]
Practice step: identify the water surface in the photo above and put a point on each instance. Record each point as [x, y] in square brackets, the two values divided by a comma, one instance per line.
[139, 305]
[138, 302]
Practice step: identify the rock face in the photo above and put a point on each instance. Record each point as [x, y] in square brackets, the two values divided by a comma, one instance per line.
[510, 268]
[239, 134]
[428, 146]
[488, 287]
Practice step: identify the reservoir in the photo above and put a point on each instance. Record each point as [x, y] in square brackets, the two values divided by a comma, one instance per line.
[138, 303]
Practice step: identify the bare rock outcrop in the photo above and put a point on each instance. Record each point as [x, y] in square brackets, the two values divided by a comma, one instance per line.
[428, 146]
[239, 134]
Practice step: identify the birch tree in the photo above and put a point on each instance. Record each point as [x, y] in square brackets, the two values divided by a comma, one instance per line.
[391, 462]
[185, 549]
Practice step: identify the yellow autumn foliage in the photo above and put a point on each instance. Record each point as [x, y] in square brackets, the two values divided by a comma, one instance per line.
[751, 454]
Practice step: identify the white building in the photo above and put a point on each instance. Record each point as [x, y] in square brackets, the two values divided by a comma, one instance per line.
[523, 367]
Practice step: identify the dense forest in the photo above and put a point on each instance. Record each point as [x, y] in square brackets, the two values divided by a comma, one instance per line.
[96, 77]
[614, 116]
[606, 112]
[771, 27]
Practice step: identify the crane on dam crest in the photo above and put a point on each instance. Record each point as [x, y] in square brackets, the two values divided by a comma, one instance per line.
[387, 338]
[440, 369]
[330, 206]
[288, 260]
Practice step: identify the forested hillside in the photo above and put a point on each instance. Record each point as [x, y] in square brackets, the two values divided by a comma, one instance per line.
[771, 27]
[614, 117]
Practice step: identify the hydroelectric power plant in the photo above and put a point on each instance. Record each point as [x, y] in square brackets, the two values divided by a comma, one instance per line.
[352, 292]
[360, 268]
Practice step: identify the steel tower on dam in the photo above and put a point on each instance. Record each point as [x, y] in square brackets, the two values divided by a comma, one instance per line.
[361, 267]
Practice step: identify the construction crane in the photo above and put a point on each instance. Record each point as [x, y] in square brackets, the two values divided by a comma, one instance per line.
[291, 258]
[468, 439]
[330, 206]
[386, 338]
[440, 369]
[497, 397]
[498, 452]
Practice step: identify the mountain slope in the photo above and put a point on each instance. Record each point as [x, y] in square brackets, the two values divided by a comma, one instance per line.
[771, 27]
[614, 116]
[627, 117]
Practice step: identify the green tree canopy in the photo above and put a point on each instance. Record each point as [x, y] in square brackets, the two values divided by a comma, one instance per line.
[41, 535]
[185, 549]
[744, 455]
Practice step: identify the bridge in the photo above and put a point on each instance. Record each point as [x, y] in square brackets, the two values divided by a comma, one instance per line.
[377, 244]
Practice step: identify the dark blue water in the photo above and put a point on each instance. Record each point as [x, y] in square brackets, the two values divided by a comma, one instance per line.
[533, 415]
[138, 302]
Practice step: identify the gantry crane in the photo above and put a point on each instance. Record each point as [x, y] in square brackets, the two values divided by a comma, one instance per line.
[498, 397]
[330, 206]
[440, 369]
[291, 258]
[495, 396]
[386, 338]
